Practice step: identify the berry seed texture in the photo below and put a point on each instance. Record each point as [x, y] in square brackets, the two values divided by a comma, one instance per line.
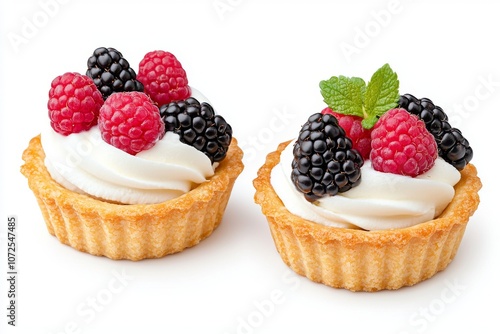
[197, 125]
[324, 161]
[74, 103]
[111, 72]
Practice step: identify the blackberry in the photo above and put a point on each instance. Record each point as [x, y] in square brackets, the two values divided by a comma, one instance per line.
[324, 162]
[197, 125]
[452, 145]
[111, 72]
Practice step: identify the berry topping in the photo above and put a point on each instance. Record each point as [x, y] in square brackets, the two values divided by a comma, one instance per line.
[111, 72]
[130, 121]
[198, 126]
[74, 103]
[324, 161]
[452, 146]
[360, 137]
[163, 77]
[402, 145]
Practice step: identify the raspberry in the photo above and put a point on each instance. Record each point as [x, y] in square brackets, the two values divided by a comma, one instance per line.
[163, 77]
[198, 126]
[324, 162]
[130, 121]
[111, 72]
[402, 145]
[74, 103]
[360, 137]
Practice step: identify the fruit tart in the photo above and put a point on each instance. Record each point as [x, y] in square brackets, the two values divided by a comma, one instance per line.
[374, 193]
[132, 166]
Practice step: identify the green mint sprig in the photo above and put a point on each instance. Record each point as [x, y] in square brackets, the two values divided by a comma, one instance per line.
[352, 96]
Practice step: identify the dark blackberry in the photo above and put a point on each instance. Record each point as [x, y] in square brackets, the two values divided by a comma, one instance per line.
[111, 72]
[452, 146]
[198, 126]
[324, 162]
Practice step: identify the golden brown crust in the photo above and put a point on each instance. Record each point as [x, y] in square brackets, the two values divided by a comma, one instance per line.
[367, 260]
[138, 231]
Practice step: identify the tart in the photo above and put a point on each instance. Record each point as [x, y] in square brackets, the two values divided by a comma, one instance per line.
[374, 193]
[131, 169]
[130, 231]
[361, 260]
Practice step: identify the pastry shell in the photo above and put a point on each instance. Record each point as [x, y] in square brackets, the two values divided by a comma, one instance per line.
[361, 260]
[135, 231]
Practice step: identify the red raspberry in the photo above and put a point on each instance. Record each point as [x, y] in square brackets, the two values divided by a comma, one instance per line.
[360, 137]
[74, 103]
[402, 145]
[130, 121]
[163, 77]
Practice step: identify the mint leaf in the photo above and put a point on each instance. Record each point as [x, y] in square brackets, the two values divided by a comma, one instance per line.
[382, 94]
[351, 96]
[344, 95]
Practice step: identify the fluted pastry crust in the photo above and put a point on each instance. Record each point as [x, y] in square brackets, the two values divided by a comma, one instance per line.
[367, 260]
[135, 231]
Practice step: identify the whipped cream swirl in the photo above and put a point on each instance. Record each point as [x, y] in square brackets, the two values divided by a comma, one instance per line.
[381, 201]
[83, 162]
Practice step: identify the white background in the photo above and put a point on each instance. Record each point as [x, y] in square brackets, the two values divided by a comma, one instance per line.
[260, 63]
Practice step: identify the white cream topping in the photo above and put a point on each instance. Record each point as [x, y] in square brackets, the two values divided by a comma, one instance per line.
[84, 163]
[381, 201]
